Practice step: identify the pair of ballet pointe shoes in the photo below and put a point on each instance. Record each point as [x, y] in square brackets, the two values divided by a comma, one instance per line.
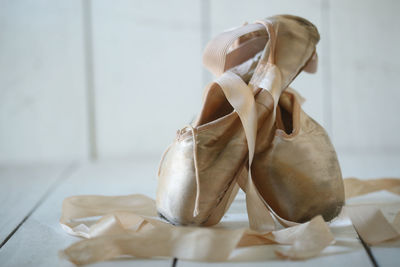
[252, 133]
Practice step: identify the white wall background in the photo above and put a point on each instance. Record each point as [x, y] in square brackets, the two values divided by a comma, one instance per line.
[113, 79]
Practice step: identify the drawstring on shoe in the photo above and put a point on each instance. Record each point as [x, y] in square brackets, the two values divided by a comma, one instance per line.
[196, 210]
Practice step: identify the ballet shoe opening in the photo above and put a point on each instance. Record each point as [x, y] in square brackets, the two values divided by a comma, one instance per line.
[215, 106]
[288, 115]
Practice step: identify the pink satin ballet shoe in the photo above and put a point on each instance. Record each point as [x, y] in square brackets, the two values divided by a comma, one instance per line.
[299, 174]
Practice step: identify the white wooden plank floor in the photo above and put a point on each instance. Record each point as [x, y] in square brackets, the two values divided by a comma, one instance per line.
[21, 189]
[40, 238]
[31, 198]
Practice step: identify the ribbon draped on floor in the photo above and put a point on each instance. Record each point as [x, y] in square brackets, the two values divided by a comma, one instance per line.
[129, 226]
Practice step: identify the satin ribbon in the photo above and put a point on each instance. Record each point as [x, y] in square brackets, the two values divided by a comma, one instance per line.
[129, 226]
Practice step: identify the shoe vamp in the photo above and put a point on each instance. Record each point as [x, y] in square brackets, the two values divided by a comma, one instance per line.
[300, 177]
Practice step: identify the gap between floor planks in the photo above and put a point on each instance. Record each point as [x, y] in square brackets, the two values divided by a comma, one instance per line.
[63, 175]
